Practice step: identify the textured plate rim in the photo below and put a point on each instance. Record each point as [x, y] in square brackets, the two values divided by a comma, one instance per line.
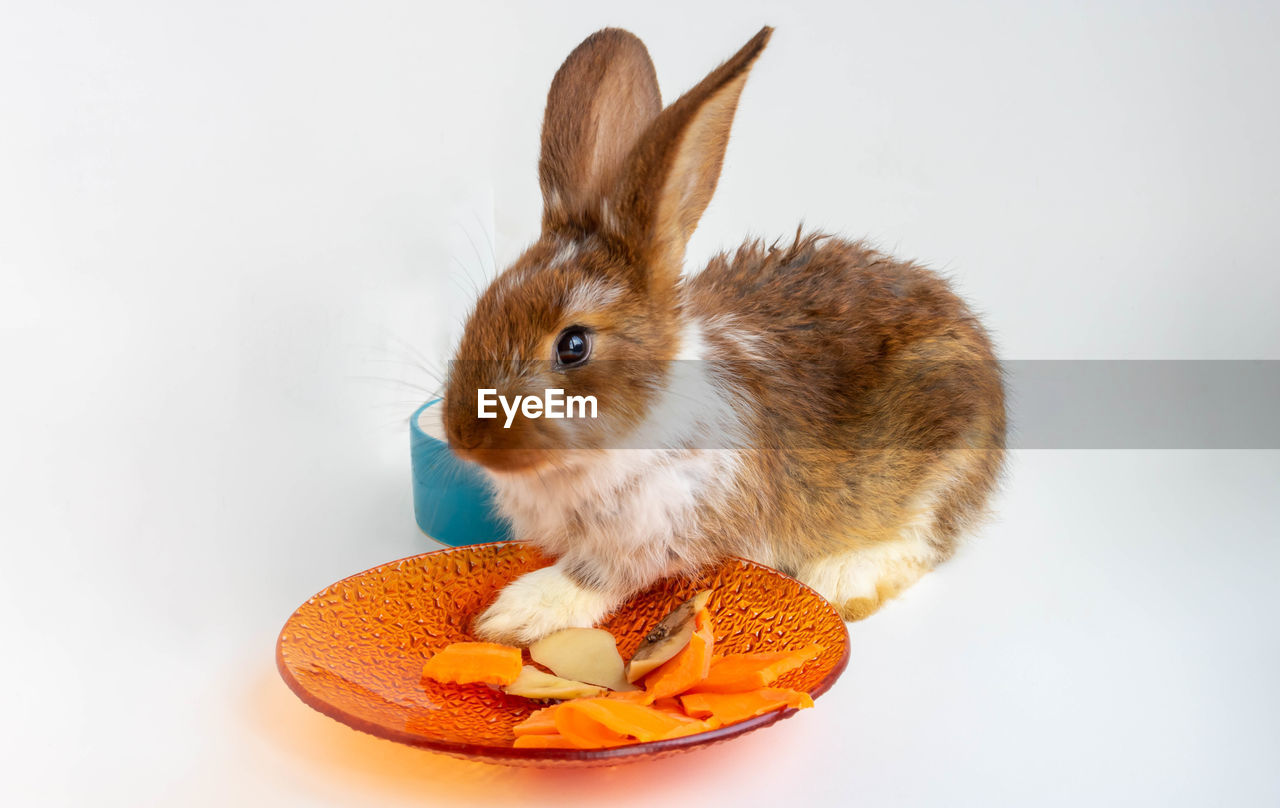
[529, 756]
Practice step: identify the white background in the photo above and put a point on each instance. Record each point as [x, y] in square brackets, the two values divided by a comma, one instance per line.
[232, 232]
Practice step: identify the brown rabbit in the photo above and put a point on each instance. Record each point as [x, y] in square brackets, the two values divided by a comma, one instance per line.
[818, 407]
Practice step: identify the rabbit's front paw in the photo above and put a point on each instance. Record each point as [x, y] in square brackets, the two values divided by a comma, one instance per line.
[540, 603]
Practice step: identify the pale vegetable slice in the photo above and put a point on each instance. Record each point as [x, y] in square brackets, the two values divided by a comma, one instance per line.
[583, 654]
[535, 684]
[666, 639]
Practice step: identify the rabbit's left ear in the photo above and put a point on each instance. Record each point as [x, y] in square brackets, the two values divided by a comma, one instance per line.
[601, 101]
[672, 172]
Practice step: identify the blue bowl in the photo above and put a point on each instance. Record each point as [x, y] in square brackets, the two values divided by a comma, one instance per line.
[452, 501]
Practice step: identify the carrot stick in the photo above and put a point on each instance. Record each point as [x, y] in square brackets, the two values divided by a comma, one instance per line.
[583, 731]
[739, 673]
[543, 741]
[687, 668]
[468, 662]
[731, 708]
[623, 717]
[539, 722]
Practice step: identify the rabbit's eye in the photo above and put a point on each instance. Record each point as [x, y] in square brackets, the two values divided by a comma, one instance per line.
[573, 346]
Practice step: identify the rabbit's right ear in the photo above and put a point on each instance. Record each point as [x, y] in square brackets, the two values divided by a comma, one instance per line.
[602, 99]
[673, 170]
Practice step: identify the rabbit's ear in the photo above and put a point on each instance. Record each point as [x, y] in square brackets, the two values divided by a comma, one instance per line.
[601, 101]
[672, 172]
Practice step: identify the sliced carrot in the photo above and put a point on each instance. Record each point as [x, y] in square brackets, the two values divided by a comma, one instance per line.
[731, 708]
[688, 725]
[633, 696]
[692, 727]
[636, 720]
[687, 668]
[697, 705]
[467, 662]
[587, 731]
[738, 673]
[694, 691]
[583, 731]
[551, 741]
[539, 722]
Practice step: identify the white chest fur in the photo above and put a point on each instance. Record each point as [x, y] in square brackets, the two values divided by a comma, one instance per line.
[632, 513]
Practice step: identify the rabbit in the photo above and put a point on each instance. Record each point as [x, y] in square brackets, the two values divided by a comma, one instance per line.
[813, 405]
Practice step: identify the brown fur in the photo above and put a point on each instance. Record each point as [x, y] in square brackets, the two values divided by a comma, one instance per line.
[862, 351]
[872, 393]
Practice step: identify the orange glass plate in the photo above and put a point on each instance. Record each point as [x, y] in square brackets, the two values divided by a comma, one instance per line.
[355, 651]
